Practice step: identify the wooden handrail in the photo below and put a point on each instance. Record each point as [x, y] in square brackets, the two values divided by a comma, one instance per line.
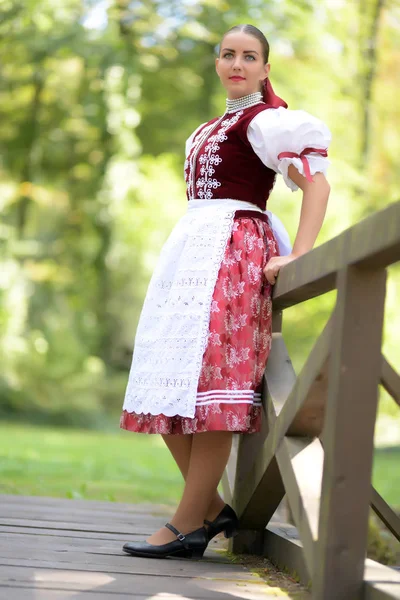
[385, 513]
[390, 380]
[373, 243]
[316, 442]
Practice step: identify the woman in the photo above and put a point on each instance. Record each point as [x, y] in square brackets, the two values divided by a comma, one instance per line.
[205, 330]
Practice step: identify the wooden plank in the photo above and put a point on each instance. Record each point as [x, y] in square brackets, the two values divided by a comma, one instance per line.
[23, 594]
[261, 504]
[33, 594]
[385, 513]
[49, 532]
[81, 580]
[255, 506]
[381, 583]
[297, 458]
[108, 585]
[304, 409]
[104, 587]
[15, 542]
[250, 450]
[114, 511]
[53, 565]
[146, 589]
[102, 527]
[390, 380]
[45, 514]
[258, 488]
[226, 488]
[309, 420]
[295, 406]
[282, 545]
[92, 505]
[374, 242]
[129, 565]
[354, 374]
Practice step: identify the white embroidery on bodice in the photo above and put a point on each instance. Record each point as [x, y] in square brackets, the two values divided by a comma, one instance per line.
[208, 159]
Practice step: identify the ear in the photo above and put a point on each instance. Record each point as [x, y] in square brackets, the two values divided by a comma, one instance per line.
[216, 65]
[267, 69]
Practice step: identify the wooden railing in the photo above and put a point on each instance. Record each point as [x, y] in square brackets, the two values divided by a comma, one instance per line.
[316, 445]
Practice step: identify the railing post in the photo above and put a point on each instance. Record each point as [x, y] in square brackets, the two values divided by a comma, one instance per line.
[354, 373]
[264, 504]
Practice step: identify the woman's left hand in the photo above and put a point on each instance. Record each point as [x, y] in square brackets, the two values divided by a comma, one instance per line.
[275, 264]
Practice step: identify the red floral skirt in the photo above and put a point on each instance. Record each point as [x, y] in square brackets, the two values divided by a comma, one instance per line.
[239, 342]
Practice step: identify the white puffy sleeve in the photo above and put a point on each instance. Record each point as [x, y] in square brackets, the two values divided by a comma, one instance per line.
[281, 137]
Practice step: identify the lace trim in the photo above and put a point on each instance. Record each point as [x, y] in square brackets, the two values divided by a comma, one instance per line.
[173, 328]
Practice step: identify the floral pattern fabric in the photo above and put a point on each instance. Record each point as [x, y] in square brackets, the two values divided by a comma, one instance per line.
[229, 388]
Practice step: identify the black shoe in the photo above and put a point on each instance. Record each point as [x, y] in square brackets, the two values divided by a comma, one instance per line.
[226, 521]
[191, 545]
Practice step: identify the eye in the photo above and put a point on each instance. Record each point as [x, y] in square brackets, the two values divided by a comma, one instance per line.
[227, 54]
[250, 56]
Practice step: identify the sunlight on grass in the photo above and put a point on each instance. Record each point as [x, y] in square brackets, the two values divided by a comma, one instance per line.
[121, 467]
[386, 474]
[118, 467]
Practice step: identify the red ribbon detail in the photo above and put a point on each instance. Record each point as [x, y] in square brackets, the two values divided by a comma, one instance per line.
[302, 156]
[270, 97]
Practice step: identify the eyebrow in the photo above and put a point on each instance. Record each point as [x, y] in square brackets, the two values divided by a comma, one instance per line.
[244, 51]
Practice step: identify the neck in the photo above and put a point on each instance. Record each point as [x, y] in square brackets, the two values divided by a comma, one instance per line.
[235, 104]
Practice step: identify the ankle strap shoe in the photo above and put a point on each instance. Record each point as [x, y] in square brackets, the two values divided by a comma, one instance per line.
[189, 545]
[227, 521]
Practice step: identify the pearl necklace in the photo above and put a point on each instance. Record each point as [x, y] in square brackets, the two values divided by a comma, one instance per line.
[243, 102]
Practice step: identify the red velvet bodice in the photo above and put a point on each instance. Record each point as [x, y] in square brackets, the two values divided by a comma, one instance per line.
[224, 163]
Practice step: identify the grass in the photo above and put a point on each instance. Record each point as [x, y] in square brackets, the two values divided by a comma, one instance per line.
[386, 474]
[120, 466]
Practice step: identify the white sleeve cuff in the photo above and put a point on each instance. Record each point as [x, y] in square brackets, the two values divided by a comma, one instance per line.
[318, 164]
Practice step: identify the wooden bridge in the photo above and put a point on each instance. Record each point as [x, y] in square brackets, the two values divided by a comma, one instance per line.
[59, 549]
[316, 448]
[317, 443]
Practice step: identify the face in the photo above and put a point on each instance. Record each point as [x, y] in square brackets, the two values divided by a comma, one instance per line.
[240, 65]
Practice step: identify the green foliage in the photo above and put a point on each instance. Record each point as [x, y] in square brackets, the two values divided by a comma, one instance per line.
[382, 546]
[96, 101]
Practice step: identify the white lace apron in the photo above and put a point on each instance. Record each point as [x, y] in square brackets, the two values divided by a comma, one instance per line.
[172, 333]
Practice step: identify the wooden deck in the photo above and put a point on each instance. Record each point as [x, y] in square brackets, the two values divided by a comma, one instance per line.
[55, 549]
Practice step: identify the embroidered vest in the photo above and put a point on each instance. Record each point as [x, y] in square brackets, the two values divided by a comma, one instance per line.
[222, 164]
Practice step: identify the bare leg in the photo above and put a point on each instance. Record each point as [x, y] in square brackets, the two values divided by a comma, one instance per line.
[208, 458]
[180, 447]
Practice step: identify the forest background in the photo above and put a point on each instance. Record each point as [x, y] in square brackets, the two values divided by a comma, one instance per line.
[97, 98]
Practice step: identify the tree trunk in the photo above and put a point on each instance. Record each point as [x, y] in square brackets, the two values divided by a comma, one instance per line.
[369, 29]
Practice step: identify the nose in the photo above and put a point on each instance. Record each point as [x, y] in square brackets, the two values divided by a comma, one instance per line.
[237, 65]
